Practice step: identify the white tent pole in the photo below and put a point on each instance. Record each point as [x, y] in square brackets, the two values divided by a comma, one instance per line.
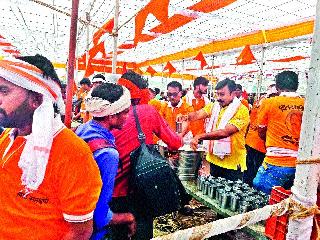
[308, 165]
[87, 39]
[261, 74]
[115, 37]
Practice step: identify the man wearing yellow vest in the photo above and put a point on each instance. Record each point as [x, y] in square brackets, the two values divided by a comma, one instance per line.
[226, 130]
[280, 124]
[197, 99]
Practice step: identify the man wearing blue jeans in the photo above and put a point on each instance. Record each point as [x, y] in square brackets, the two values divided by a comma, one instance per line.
[279, 124]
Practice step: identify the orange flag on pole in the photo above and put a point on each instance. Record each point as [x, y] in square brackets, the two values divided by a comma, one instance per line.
[106, 28]
[159, 9]
[246, 56]
[169, 67]
[151, 71]
[202, 60]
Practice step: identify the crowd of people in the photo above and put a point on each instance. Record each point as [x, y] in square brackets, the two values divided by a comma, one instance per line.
[60, 184]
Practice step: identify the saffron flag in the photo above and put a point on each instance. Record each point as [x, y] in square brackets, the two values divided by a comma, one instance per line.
[169, 67]
[106, 28]
[89, 70]
[246, 56]
[157, 8]
[202, 60]
[151, 71]
[124, 68]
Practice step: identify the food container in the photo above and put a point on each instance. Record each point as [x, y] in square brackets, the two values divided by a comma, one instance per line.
[234, 202]
[189, 163]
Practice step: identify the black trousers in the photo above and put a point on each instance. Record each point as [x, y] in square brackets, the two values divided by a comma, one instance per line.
[144, 222]
[229, 174]
[254, 161]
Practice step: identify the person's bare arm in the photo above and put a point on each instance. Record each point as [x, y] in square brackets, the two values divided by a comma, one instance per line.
[127, 219]
[214, 135]
[200, 114]
[79, 231]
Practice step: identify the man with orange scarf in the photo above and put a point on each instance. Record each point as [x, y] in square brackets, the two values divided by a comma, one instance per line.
[50, 181]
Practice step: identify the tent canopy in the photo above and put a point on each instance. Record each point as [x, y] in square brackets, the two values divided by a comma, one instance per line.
[153, 32]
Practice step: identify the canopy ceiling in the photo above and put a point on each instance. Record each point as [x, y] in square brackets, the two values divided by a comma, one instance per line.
[188, 26]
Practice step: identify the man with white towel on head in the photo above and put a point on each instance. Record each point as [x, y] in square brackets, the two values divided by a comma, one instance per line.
[49, 181]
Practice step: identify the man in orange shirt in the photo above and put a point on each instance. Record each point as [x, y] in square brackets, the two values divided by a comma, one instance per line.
[50, 181]
[238, 93]
[197, 99]
[280, 124]
[176, 106]
[254, 144]
[81, 95]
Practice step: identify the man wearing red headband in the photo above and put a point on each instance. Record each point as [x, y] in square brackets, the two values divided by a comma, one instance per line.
[50, 182]
[127, 141]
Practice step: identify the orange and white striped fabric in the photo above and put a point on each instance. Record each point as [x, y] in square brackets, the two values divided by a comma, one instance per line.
[45, 124]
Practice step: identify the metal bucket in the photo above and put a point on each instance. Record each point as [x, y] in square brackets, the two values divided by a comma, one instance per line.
[189, 162]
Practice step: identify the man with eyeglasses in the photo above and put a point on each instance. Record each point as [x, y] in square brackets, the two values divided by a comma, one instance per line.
[170, 110]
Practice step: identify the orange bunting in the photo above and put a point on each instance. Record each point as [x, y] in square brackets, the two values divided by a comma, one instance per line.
[159, 9]
[89, 70]
[202, 60]
[169, 67]
[207, 6]
[124, 68]
[96, 49]
[138, 70]
[106, 28]
[127, 46]
[151, 71]
[246, 56]
[5, 44]
[211, 67]
[289, 59]
[174, 22]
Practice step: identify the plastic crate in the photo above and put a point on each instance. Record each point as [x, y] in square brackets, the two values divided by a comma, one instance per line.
[276, 227]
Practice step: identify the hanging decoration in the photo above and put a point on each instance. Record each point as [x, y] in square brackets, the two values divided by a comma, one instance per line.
[169, 67]
[289, 59]
[124, 68]
[159, 9]
[106, 28]
[151, 71]
[202, 60]
[246, 56]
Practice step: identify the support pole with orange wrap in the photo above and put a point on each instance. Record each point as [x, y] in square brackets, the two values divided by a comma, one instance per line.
[71, 60]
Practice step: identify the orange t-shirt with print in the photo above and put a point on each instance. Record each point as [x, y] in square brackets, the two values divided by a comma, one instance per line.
[283, 117]
[170, 113]
[252, 138]
[198, 126]
[68, 193]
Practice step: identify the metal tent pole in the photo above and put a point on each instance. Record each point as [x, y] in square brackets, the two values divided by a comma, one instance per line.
[71, 60]
[308, 164]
